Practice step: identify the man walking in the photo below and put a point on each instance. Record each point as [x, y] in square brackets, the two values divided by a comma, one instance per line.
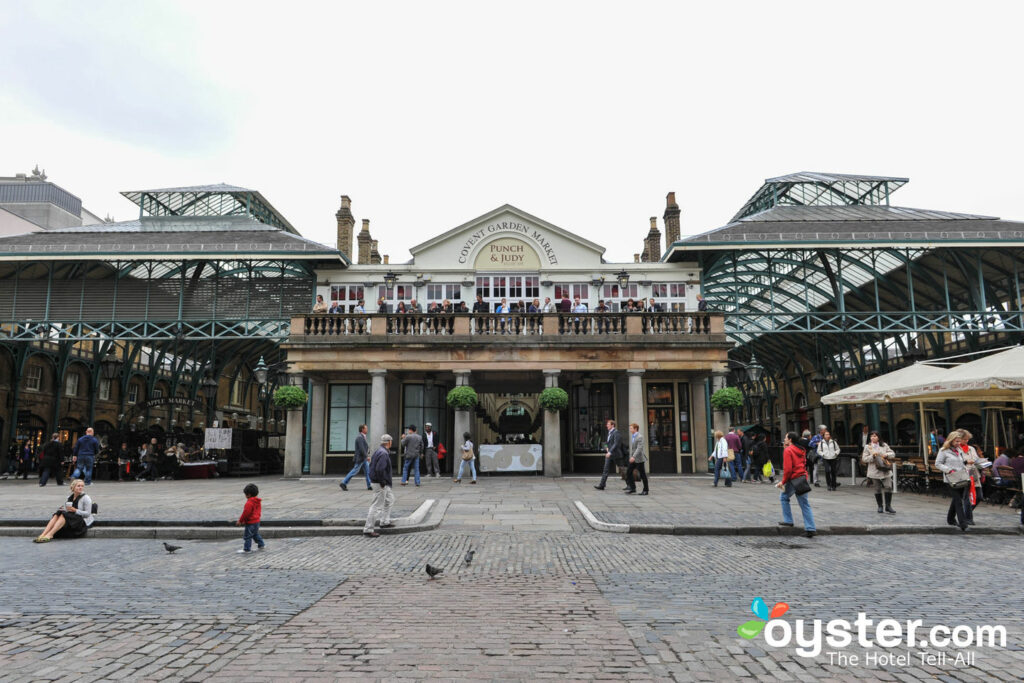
[430, 440]
[735, 444]
[383, 498]
[359, 460]
[613, 451]
[412, 449]
[51, 461]
[813, 460]
[637, 458]
[747, 444]
[85, 453]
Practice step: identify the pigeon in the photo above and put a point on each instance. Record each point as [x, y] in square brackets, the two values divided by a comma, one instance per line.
[469, 556]
[171, 548]
[433, 571]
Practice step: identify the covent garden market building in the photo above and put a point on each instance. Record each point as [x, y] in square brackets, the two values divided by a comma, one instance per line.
[194, 312]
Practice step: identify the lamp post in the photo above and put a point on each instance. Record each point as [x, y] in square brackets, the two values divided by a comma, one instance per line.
[209, 387]
[110, 366]
[390, 279]
[623, 277]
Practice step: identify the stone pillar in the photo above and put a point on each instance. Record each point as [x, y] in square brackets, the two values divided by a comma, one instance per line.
[461, 378]
[552, 432]
[363, 242]
[318, 416]
[462, 423]
[636, 402]
[699, 423]
[378, 408]
[293, 446]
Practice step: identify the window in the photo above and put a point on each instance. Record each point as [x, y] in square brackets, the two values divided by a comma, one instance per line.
[571, 291]
[348, 407]
[420, 406]
[157, 393]
[133, 393]
[236, 392]
[438, 293]
[515, 288]
[392, 295]
[71, 384]
[670, 296]
[104, 390]
[685, 435]
[33, 378]
[616, 297]
[346, 296]
[590, 409]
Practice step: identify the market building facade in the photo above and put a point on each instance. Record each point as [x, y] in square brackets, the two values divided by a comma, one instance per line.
[437, 322]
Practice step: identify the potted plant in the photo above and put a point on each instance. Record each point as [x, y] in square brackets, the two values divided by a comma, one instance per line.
[462, 398]
[554, 399]
[290, 398]
[727, 399]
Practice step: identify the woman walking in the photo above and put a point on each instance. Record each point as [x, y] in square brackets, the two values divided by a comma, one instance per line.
[954, 472]
[879, 458]
[828, 452]
[467, 459]
[721, 454]
[794, 482]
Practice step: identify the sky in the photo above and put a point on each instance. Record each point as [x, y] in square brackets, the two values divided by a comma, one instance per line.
[584, 114]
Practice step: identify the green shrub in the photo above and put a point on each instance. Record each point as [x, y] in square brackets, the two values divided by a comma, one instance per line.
[462, 398]
[727, 398]
[290, 398]
[554, 399]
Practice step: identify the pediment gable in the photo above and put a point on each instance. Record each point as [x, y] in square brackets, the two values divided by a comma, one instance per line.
[507, 237]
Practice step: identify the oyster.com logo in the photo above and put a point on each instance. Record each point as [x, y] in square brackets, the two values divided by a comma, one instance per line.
[759, 607]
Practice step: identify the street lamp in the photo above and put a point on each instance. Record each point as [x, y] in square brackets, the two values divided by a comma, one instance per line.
[260, 371]
[110, 366]
[390, 279]
[819, 383]
[755, 371]
[623, 277]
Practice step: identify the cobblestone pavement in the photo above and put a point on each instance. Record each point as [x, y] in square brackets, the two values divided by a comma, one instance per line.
[574, 605]
[495, 504]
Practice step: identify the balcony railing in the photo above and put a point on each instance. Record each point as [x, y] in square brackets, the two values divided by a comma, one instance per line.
[499, 325]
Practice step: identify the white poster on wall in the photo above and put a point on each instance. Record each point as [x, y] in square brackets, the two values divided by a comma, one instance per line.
[511, 458]
[217, 438]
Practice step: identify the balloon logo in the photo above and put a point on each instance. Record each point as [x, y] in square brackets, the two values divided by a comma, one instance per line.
[749, 630]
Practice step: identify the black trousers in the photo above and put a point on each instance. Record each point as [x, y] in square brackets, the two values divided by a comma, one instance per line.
[609, 466]
[638, 466]
[831, 469]
[956, 514]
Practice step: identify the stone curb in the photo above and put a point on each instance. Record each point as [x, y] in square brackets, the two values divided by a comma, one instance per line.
[402, 526]
[415, 518]
[866, 530]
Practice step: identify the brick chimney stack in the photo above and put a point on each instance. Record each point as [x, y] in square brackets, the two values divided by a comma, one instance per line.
[346, 226]
[363, 238]
[374, 252]
[671, 219]
[652, 245]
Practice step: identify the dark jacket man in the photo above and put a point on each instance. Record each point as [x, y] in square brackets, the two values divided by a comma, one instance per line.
[481, 306]
[380, 466]
[362, 449]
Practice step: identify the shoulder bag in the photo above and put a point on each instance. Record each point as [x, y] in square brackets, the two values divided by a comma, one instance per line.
[730, 456]
[800, 485]
[467, 454]
[958, 479]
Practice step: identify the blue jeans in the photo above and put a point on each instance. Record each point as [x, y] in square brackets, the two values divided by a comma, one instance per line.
[719, 464]
[365, 466]
[472, 468]
[252, 533]
[416, 470]
[805, 507]
[83, 468]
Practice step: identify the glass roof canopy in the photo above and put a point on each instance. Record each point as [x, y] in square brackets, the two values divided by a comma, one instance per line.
[208, 200]
[821, 189]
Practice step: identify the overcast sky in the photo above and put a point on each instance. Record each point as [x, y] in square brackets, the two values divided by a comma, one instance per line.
[585, 114]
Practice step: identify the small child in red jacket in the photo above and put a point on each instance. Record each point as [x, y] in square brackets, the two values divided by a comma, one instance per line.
[251, 519]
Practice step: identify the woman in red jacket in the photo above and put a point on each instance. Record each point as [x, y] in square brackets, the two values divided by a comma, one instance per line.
[793, 467]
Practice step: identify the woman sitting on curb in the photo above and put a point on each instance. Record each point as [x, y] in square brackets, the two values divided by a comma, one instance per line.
[73, 519]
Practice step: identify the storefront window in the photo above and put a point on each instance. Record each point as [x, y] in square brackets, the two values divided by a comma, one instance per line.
[685, 435]
[590, 409]
[670, 296]
[346, 297]
[438, 293]
[420, 406]
[571, 291]
[349, 407]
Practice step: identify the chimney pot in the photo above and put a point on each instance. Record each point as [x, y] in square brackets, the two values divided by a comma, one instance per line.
[636, 258]
[670, 199]
[346, 202]
[654, 222]
[671, 219]
[386, 259]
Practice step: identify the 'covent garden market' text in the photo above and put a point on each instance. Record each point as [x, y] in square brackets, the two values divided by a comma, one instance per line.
[506, 226]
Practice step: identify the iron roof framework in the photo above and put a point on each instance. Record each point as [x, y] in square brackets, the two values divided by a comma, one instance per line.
[208, 200]
[821, 189]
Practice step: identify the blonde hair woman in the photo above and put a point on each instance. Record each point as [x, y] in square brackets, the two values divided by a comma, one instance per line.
[954, 472]
[71, 520]
[721, 454]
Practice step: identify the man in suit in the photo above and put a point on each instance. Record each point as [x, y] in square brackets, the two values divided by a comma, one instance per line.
[359, 461]
[613, 453]
[430, 441]
[412, 447]
[637, 458]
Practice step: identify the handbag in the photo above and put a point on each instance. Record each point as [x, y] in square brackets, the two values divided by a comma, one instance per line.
[800, 485]
[958, 479]
[726, 471]
[882, 464]
[731, 455]
[467, 455]
[441, 451]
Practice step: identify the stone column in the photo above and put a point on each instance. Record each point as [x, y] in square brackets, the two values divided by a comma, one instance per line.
[699, 423]
[462, 423]
[552, 432]
[636, 402]
[293, 445]
[378, 408]
[318, 412]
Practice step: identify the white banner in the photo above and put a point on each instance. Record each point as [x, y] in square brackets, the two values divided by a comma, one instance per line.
[523, 457]
[217, 438]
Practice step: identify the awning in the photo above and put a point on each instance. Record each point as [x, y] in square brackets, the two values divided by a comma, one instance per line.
[890, 386]
[999, 377]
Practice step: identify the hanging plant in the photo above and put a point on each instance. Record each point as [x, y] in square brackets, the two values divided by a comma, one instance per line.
[554, 399]
[462, 398]
[290, 398]
[727, 398]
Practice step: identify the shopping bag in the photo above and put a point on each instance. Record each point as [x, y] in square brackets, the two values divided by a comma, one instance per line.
[974, 494]
[768, 470]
